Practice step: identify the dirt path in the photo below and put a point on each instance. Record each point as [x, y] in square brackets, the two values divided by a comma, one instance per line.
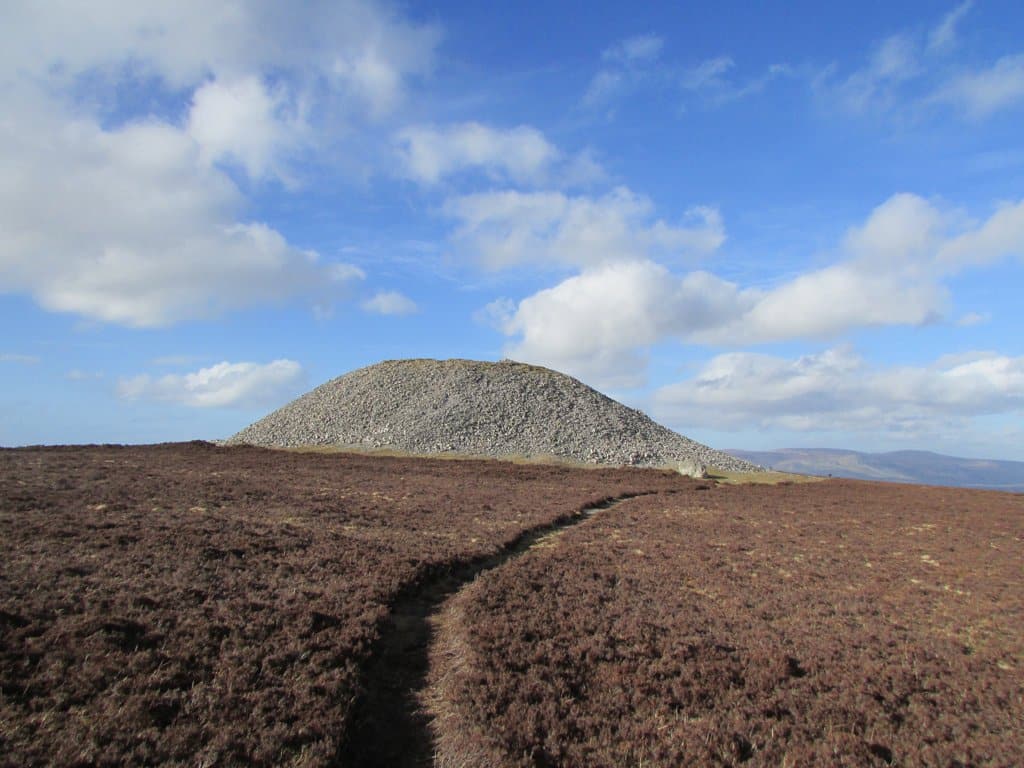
[389, 727]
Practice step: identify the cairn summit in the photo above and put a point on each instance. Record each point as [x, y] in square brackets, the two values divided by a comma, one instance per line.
[503, 409]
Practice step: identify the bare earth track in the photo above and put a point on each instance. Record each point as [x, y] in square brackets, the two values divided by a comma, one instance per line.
[391, 726]
[193, 605]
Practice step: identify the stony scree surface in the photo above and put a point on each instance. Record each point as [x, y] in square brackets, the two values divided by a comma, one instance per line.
[480, 409]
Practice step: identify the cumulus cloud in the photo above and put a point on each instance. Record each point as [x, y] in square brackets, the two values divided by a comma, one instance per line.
[390, 303]
[148, 234]
[828, 302]
[430, 153]
[150, 231]
[504, 229]
[358, 46]
[890, 275]
[242, 121]
[598, 323]
[224, 385]
[595, 325]
[999, 237]
[838, 390]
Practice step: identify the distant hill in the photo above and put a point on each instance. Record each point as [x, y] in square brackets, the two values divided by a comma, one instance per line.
[898, 466]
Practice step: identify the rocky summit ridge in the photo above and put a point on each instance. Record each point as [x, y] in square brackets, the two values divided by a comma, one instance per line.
[501, 409]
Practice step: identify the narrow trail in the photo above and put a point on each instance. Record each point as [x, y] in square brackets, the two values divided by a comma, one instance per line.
[389, 727]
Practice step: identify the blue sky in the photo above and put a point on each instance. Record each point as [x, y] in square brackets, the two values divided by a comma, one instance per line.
[791, 225]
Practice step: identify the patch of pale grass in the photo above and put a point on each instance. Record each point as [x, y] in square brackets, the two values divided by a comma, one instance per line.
[728, 477]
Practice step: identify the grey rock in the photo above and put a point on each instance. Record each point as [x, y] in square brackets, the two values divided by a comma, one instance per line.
[692, 467]
[503, 409]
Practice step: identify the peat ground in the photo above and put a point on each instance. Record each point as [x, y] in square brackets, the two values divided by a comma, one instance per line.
[834, 623]
[192, 605]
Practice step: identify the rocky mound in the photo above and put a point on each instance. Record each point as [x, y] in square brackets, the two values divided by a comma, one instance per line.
[480, 409]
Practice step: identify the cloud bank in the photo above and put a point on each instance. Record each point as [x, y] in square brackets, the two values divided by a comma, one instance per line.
[598, 323]
[135, 216]
[837, 390]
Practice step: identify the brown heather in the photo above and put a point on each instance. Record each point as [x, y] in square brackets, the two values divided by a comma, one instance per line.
[835, 623]
[191, 605]
[199, 606]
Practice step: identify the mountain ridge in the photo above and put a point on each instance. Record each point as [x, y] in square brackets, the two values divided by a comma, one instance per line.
[907, 466]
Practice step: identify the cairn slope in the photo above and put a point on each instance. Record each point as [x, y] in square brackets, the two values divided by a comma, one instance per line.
[480, 409]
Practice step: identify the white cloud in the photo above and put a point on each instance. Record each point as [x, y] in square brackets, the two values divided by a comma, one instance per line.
[707, 74]
[711, 80]
[596, 324]
[150, 231]
[599, 323]
[148, 234]
[889, 276]
[827, 302]
[904, 227]
[892, 274]
[377, 77]
[390, 303]
[241, 121]
[838, 390]
[943, 35]
[630, 64]
[627, 63]
[11, 357]
[875, 86]
[901, 76]
[984, 92]
[503, 229]
[223, 385]
[359, 46]
[999, 237]
[429, 153]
